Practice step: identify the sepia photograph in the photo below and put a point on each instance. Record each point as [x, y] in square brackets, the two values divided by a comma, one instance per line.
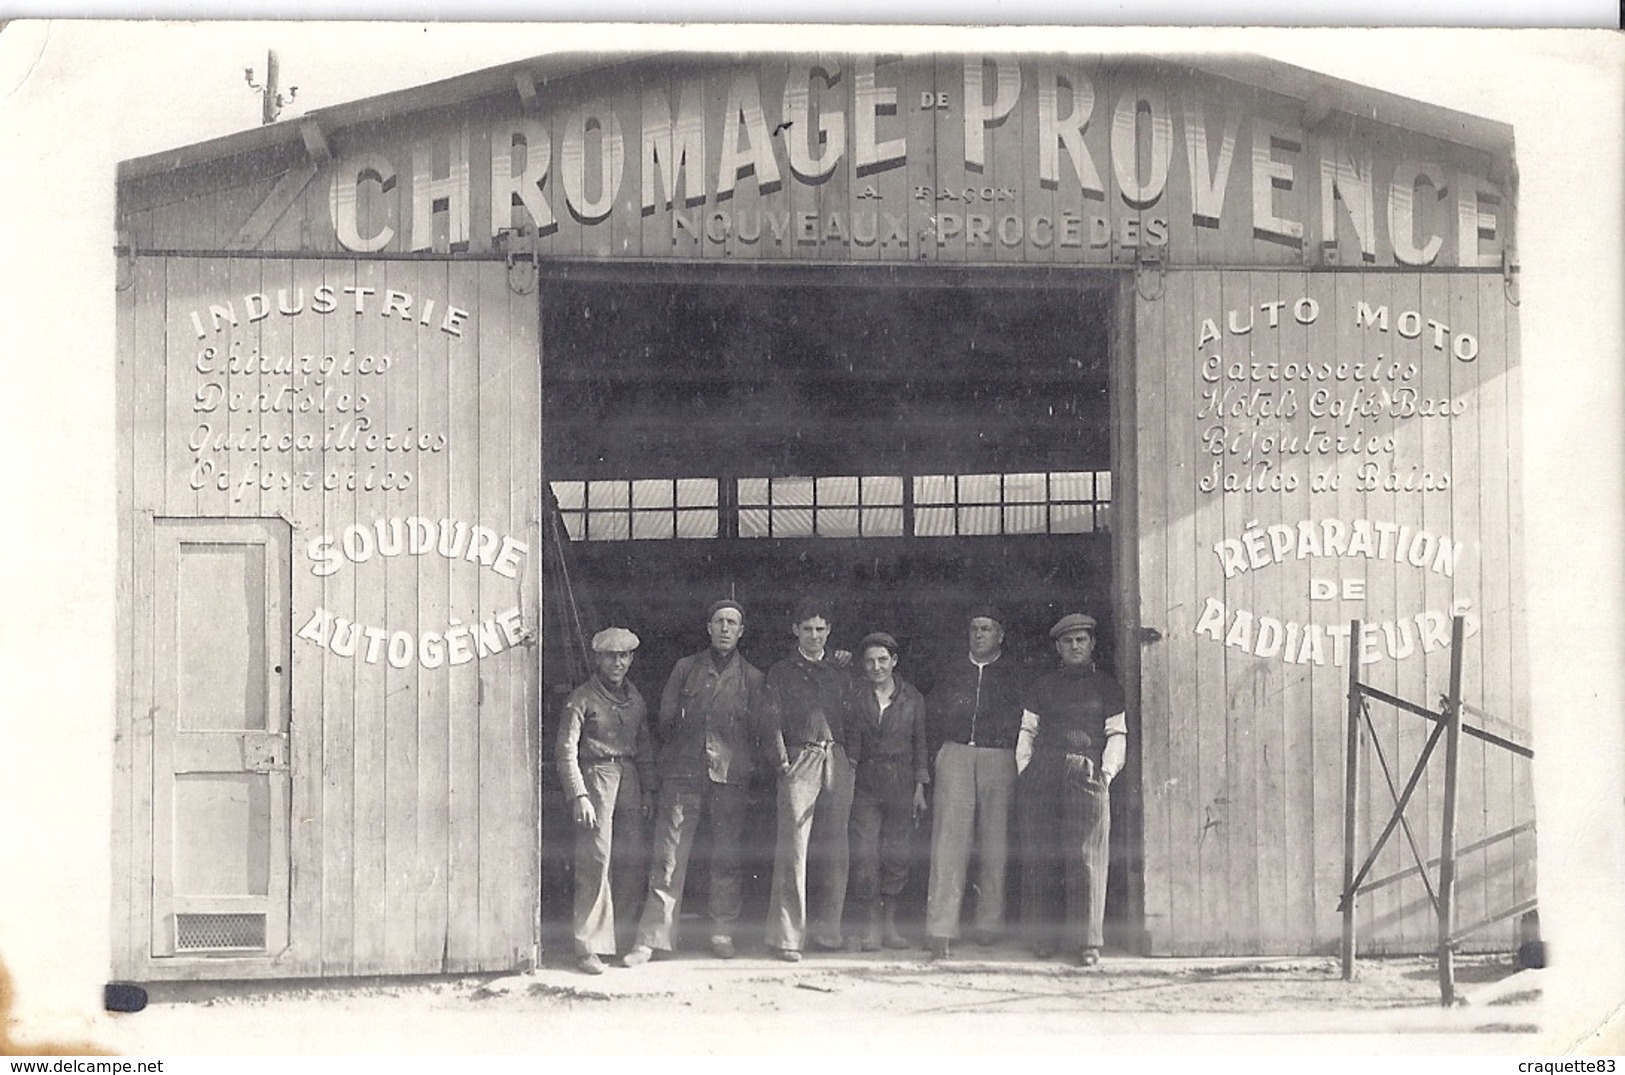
[812, 539]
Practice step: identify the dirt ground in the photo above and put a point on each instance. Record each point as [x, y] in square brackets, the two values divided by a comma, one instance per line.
[985, 1000]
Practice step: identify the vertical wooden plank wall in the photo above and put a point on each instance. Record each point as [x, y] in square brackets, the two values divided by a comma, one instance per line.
[430, 875]
[1434, 293]
[1310, 769]
[372, 709]
[495, 688]
[309, 845]
[339, 861]
[145, 308]
[125, 771]
[1471, 382]
[523, 868]
[463, 789]
[413, 806]
[1269, 807]
[1243, 728]
[1523, 846]
[401, 404]
[1203, 719]
[1407, 587]
[1161, 779]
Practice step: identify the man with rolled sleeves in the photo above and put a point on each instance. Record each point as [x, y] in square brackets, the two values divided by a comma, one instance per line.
[974, 712]
[705, 761]
[605, 762]
[1073, 742]
[807, 696]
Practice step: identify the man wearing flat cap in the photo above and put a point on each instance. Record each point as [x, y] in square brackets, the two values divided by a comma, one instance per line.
[1073, 742]
[605, 762]
[974, 712]
[887, 723]
[707, 732]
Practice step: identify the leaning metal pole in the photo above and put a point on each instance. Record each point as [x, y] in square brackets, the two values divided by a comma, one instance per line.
[1447, 848]
[1351, 777]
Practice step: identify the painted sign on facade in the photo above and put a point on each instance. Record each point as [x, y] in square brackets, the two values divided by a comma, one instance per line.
[943, 158]
[1315, 449]
[273, 416]
[382, 416]
[254, 382]
[453, 644]
[1276, 414]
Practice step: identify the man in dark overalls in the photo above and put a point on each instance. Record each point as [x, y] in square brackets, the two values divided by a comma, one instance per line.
[707, 731]
[887, 722]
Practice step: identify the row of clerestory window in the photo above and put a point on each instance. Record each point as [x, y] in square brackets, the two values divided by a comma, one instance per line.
[845, 506]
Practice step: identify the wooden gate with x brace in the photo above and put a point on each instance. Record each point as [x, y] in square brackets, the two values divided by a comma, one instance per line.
[1449, 726]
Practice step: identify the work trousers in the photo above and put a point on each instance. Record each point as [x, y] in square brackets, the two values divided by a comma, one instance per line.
[974, 789]
[811, 858]
[881, 829]
[609, 858]
[683, 805]
[1065, 819]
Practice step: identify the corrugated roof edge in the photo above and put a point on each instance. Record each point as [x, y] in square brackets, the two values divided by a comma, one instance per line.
[1329, 94]
[1320, 93]
[445, 92]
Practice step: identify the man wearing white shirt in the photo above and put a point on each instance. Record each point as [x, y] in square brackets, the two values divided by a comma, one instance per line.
[1073, 741]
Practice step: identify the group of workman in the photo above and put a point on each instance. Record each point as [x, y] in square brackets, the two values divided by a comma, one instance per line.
[852, 744]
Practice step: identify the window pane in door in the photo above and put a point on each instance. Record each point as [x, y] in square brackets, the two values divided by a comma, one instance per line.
[220, 642]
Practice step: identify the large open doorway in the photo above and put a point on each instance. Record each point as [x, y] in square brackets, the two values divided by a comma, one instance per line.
[906, 443]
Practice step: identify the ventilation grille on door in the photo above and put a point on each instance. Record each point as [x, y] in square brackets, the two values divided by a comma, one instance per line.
[208, 932]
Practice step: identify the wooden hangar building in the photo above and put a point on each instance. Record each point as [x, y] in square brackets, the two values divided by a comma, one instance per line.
[417, 392]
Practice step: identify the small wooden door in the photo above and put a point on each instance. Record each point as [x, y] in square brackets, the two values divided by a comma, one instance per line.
[220, 869]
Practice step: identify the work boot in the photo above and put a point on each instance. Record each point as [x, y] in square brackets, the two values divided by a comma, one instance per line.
[888, 926]
[1088, 957]
[590, 964]
[939, 947]
[872, 934]
[637, 956]
[829, 942]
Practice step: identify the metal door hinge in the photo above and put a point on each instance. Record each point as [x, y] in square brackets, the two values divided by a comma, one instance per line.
[518, 247]
[1150, 272]
[265, 752]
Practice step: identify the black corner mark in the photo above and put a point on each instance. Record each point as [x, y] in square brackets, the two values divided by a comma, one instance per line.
[123, 997]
